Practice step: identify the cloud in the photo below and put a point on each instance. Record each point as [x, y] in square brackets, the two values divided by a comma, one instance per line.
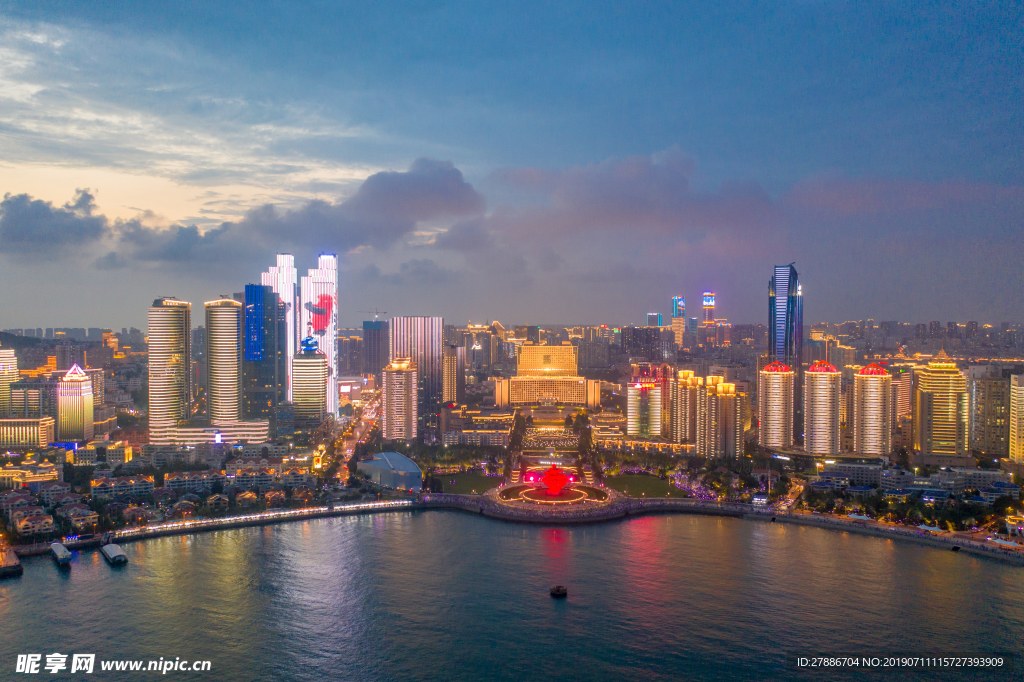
[39, 228]
[418, 273]
[469, 237]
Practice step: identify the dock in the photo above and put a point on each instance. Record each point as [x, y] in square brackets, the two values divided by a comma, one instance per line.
[10, 565]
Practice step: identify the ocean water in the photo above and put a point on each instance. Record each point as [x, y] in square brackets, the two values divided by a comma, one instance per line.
[449, 596]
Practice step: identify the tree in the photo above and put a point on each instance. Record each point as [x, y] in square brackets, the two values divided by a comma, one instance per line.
[568, 421]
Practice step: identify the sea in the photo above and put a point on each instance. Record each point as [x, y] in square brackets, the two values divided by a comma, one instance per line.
[446, 595]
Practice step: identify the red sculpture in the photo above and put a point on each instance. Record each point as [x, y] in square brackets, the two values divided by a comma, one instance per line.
[555, 480]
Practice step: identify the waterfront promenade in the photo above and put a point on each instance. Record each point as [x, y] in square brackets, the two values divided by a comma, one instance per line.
[617, 507]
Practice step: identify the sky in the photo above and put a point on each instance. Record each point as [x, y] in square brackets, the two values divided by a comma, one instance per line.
[534, 163]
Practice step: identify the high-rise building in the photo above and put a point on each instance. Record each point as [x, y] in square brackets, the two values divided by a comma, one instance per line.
[872, 411]
[785, 332]
[310, 379]
[399, 400]
[679, 320]
[265, 358]
[8, 375]
[990, 414]
[822, 394]
[709, 307]
[1016, 443]
[940, 409]
[775, 406]
[223, 361]
[69, 354]
[643, 403]
[319, 317]
[642, 342]
[75, 406]
[654, 319]
[170, 333]
[454, 375]
[376, 351]
[283, 279]
[684, 407]
[719, 420]
[34, 398]
[422, 339]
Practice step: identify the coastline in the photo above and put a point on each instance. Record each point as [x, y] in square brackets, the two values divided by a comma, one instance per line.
[482, 506]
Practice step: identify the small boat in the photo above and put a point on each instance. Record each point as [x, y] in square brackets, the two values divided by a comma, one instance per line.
[114, 555]
[60, 554]
[954, 548]
[559, 591]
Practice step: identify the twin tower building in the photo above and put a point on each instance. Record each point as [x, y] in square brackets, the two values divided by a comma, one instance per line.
[266, 357]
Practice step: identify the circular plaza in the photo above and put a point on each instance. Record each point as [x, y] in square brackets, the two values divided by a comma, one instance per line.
[553, 494]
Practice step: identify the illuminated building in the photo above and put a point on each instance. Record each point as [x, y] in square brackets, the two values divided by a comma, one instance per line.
[27, 433]
[170, 333]
[719, 420]
[319, 318]
[310, 374]
[709, 307]
[775, 406]
[643, 403]
[940, 409]
[376, 353]
[8, 375]
[74, 406]
[872, 411]
[642, 342]
[654, 319]
[422, 340]
[223, 361]
[399, 400]
[1016, 443]
[283, 280]
[679, 320]
[990, 414]
[547, 375]
[454, 375]
[684, 407]
[822, 391]
[265, 359]
[785, 332]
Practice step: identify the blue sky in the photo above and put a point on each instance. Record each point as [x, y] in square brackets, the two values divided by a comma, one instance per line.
[554, 162]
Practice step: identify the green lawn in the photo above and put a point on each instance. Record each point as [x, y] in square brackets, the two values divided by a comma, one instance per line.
[467, 484]
[638, 485]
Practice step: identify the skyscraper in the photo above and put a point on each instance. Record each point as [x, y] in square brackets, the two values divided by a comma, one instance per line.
[310, 385]
[653, 319]
[421, 339]
[75, 406]
[8, 375]
[775, 406]
[376, 351]
[1016, 444]
[719, 420]
[223, 361]
[786, 332]
[170, 333]
[319, 317]
[990, 414]
[283, 279]
[709, 307]
[822, 393]
[454, 375]
[684, 407]
[399, 400]
[643, 403]
[940, 409]
[265, 361]
[678, 319]
[872, 411]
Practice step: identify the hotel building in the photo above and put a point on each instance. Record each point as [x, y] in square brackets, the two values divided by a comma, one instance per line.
[170, 333]
[684, 407]
[643, 403]
[398, 413]
[872, 411]
[27, 433]
[822, 392]
[719, 420]
[74, 406]
[940, 409]
[775, 406]
[548, 374]
[310, 374]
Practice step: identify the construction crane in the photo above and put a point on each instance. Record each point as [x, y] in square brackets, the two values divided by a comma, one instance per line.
[376, 313]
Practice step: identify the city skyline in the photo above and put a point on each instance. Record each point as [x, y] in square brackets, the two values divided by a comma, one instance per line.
[881, 201]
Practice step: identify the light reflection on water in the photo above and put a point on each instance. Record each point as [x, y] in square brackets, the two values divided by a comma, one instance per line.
[444, 595]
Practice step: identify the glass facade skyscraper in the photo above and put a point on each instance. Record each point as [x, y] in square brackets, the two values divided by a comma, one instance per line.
[786, 333]
[421, 339]
[376, 351]
[265, 360]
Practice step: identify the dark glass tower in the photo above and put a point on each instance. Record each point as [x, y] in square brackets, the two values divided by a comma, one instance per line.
[376, 351]
[786, 334]
[265, 360]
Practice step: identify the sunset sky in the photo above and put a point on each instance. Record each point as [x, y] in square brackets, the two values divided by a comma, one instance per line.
[572, 162]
